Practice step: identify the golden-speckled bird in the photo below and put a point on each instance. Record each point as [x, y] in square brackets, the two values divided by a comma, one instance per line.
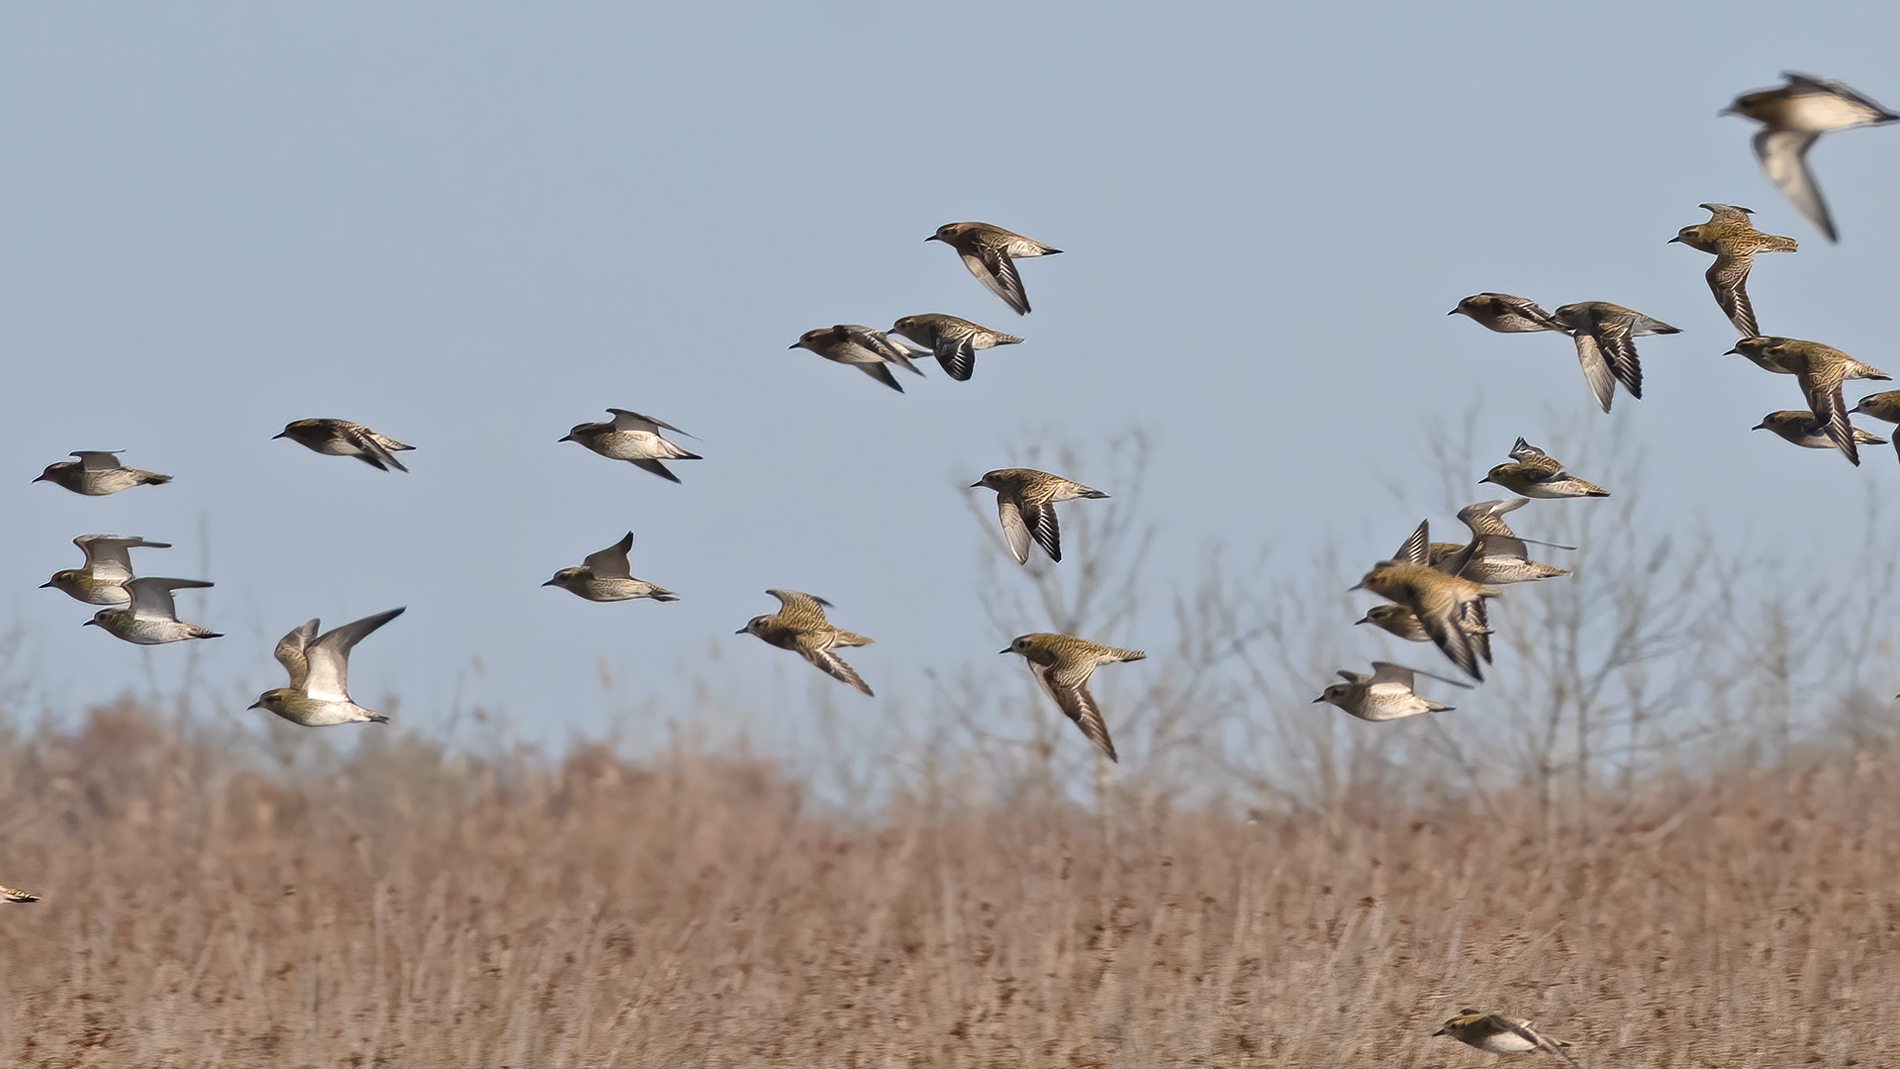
[1498, 1034]
[1386, 694]
[634, 438]
[97, 473]
[1805, 429]
[151, 617]
[1449, 608]
[1732, 237]
[1535, 473]
[341, 438]
[1507, 314]
[799, 625]
[1605, 336]
[319, 667]
[955, 342]
[990, 252]
[1026, 505]
[108, 566]
[1793, 117]
[870, 351]
[1820, 370]
[608, 576]
[1062, 665]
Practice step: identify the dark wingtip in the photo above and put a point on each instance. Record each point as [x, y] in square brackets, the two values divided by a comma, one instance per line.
[378, 718]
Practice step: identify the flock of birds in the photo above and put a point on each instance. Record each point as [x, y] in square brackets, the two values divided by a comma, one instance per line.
[1435, 591]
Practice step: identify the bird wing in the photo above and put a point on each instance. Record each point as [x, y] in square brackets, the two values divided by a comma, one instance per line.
[654, 466]
[369, 447]
[1078, 705]
[328, 677]
[1596, 370]
[1009, 510]
[1522, 451]
[290, 652]
[1417, 548]
[1387, 672]
[109, 556]
[799, 611]
[1728, 279]
[956, 351]
[993, 267]
[96, 459]
[833, 665]
[1449, 631]
[880, 371]
[1529, 309]
[1619, 344]
[1784, 159]
[1821, 385]
[1486, 517]
[633, 421]
[1042, 523]
[152, 596]
[611, 563]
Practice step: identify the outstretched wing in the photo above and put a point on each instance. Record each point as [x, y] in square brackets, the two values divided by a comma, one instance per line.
[1009, 510]
[833, 665]
[152, 596]
[97, 459]
[1417, 548]
[633, 421]
[290, 652]
[329, 656]
[1784, 159]
[612, 562]
[993, 267]
[109, 556]
[1078, 705]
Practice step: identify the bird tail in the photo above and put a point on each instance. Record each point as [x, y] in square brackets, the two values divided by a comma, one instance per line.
[155, 479]
[1130, 655]
[1777, 243]
[846, 638]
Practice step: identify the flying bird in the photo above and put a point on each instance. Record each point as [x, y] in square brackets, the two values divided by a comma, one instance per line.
[108, 566]
[341, 438]
[1062, 665]
[14, 894]
[1734, 240]
[1498, 1034]
[1535, 473]
[1605, 335]
[1819, 370]
[1026, 505]
[990, 252]
[319, 667]
[1805, 429]
[1450, 609]
[955, 342]
[799, 625]
[151, 619]
[1507, 314]
[1386, 694]
[1793, 117]
[870, 351]
[97, 473]
[634, 438]
[608, 576]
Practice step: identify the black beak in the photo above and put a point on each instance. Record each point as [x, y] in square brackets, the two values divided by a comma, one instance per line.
[741, 631]
[1362, 620]
[43, 586]
[548, 583]
[1319, 699]
[975, 485]
[565, 438]
[1453, 312]
[1673, 240]
[281, 434]
[1737, 351]
[1005, 649]
[933, 237]
[90, 623]
[794, 345]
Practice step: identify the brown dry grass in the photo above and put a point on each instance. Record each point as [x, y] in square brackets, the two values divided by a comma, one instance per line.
[412, 910]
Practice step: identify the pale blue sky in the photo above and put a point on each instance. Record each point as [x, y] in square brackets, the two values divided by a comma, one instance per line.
[473, 225]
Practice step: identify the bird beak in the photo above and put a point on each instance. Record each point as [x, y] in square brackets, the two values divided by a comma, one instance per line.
[1673, 240]
[1737, 351]
[1756, 427]
[1319, 699]
[1360, 585]
[1362, 620]
[1484, 480]
[1005, 649]
[259, 704]
[38, 479]
[933, 237]
[975, 485]
[1453, 312]
[1440, 1032]
[794, 345]
[741, 631]
[548, 583]
[565, 438]
[90, 623]
[282, 434]
[43, 586]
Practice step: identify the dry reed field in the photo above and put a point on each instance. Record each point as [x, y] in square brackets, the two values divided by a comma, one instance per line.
[408, 909]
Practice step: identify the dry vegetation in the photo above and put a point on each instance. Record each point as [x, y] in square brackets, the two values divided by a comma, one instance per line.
[406, 908]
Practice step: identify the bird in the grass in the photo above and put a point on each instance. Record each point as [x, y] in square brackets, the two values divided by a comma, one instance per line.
[608, 576]
[1498, 1034]
[319, 667]
[1604, 334]
[108, 566]
[1732, 237]
[97, 473]
[1062, 665]
[151, 619]
[634, 438]
[1026, 505]
[1386, 694]
[990, 252]
[870, 351]
[1819, 370]
[1535, 473]
[799, 625]
[1793, 117]
[1450, 609]
[1806, 430]
[1507, 314]
[14, 894]
[341, 438]
[955, 342]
